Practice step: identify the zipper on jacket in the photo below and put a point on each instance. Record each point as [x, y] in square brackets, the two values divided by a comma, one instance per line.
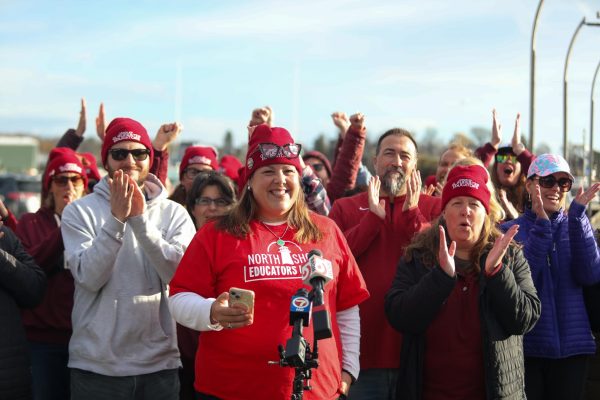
[548, 255]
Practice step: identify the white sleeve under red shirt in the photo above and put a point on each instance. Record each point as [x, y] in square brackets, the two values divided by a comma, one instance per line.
[233, 364]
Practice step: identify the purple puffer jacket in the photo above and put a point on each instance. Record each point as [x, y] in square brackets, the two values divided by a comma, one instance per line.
[563, 257]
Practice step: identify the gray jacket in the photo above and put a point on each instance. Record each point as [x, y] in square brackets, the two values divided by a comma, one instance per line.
[121, 322]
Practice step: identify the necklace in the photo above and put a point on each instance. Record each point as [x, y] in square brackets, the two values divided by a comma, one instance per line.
[280, 241]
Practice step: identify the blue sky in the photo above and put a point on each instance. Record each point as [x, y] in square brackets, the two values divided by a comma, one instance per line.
[415, 64]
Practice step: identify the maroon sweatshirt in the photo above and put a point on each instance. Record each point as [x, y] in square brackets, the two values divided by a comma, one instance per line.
[49, 322]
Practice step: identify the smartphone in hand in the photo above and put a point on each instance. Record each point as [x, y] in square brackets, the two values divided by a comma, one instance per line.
[241, 296]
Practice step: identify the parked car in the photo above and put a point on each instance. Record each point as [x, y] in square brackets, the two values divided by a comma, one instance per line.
[20, 193]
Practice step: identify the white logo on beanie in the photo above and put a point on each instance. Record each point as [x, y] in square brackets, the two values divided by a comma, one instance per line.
[70, 167]
[199, 160]
[126, 135]
[465, 183]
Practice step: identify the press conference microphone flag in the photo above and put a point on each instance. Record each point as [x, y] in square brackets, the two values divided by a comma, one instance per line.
[317, 272]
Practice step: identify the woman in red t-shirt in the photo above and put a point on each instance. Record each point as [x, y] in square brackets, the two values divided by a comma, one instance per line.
[261, 245]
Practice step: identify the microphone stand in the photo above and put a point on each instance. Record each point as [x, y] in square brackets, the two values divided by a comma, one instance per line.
[298, 355]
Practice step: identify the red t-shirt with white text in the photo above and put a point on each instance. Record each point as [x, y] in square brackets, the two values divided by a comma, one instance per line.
[233, 364]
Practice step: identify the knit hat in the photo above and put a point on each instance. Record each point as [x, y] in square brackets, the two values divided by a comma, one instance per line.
[125, 129]
[506, 149]
[230, 166]
[90, 164]
[468, 180]
[62, 159]
[254, 159]
[547, 164]
[199, 155]
[321, 157]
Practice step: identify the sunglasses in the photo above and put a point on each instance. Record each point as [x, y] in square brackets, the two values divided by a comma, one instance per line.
[121, 154]
[64, 180]
[549, 181]
[271, 150]
[502, 158]
[191, 173]
[317, 167]
[207, 201]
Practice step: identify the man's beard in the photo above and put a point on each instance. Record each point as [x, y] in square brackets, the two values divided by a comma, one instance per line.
[393, 185]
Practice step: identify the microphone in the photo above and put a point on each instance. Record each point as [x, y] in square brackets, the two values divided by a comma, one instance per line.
[300, 307]
[317, 272]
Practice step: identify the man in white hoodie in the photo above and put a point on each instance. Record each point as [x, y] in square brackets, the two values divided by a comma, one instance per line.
[123, 243]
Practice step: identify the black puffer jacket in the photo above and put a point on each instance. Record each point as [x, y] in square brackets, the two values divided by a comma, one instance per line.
[22, 284]
[508, 306]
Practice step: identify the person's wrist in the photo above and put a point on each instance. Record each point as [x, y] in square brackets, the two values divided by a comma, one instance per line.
[159, 145]
[518, 148]
[352, 378]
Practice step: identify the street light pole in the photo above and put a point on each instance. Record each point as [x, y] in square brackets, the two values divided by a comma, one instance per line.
[565, 134]
[565, 84]
[592, 125]
[532, 79]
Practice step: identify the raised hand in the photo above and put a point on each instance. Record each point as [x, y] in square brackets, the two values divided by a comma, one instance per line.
[263, 115]
[496, 130]
[357, 121]
[3, 210]
[439, 188]
[138, 201]
[446, 255]
[101, 123]
[342, 122]
[429, 190]
[508, 207]
[229, 317]
[413, 191]
[121, 194]
[517, 146]
[584, 198]
[537, 204]
[82, 120]
[166, 134]
[376, 206]
[499, 249]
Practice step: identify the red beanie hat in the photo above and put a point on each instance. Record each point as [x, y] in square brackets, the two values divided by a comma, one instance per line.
[230, 166]
[467, 180]
[199, 155]
[125, 129]
[90, 164]
[254, 159]
[62, 159]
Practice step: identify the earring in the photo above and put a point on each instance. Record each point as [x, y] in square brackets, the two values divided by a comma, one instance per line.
[249, 188]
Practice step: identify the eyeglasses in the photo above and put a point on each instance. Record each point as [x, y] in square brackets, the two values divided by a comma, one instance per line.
[317, 167]
[191, 173]
[502, 158]
[271, 150]
[549, 181]
[64, 180]
[207, 201]
[121, 154]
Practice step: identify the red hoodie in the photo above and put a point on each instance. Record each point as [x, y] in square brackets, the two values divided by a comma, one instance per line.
[377, 246]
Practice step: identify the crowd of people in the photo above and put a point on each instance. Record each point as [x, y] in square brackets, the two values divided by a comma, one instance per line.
[478, 282]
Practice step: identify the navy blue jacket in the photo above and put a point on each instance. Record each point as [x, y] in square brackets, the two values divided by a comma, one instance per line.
[563, 256]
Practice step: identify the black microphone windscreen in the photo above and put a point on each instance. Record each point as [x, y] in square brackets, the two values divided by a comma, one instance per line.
[315, 252]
